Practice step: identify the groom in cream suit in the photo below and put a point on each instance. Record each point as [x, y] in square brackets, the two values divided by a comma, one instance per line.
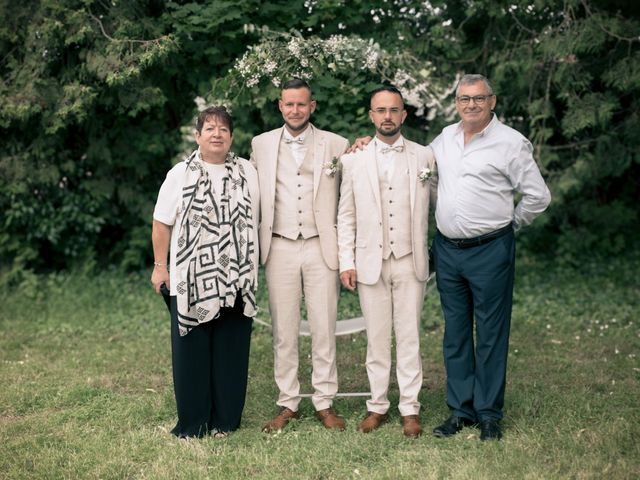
[298, 246]
[382, 235]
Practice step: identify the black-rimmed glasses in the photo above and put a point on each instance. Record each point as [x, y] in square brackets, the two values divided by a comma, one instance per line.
[477, 99]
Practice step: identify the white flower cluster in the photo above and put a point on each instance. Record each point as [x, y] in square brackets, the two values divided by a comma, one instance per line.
[425, 174]
[332, 167]
[421, 93]
[371, 56]
[281, 56]
[247, 70]
[285, 56]
[294, 46]
[201, 103]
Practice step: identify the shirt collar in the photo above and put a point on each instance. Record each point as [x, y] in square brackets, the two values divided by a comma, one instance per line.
[302, 136]
[494, 120]
[380, 144]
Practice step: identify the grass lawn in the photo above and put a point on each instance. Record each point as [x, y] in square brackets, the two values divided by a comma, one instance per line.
[86, 392]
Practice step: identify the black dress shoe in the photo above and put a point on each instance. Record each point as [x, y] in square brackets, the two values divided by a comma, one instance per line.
[490, 430]
[452, 425]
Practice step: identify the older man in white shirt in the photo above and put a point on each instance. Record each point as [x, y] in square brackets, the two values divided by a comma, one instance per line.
[482, 164]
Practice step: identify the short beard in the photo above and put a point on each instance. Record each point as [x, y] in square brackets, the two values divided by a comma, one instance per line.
[388, 133]
[299, 129]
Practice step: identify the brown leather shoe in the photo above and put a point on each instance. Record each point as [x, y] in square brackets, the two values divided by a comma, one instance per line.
[411, 426]
[372, 421]
[280, 420]
[330, 419]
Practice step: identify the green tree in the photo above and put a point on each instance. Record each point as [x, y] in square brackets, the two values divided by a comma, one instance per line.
[95, 95]
[567, 74]
[81, 101]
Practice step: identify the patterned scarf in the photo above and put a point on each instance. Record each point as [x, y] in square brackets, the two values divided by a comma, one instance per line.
[215, 245]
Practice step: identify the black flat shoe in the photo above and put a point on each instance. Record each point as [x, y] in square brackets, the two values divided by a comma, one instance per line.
[451, 426]
[490, 430]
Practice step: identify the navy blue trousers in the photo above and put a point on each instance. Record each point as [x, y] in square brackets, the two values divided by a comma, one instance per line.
[210, 371]
[476, 283]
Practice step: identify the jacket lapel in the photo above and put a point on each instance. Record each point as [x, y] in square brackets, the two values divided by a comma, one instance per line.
[318, 158]
[371, 165]
[412, 161]
[272, 156]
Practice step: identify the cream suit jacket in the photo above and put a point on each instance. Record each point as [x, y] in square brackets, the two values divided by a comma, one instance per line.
[264, 156]
[360, 213]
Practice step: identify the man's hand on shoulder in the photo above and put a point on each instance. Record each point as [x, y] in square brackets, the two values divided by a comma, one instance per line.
[359, 144]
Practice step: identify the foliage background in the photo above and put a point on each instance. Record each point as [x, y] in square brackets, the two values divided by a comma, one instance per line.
[95, 96]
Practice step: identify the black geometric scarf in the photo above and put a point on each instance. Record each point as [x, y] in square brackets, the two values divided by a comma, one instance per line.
[216, 242]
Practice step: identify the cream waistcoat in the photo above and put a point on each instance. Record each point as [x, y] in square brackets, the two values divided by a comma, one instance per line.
[396, 210]
[293, 215]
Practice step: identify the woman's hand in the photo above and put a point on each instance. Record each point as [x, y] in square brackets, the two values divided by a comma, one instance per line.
[160, 238]
[159, 276]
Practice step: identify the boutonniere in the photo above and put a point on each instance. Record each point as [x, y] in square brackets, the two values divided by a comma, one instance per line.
[425, 174]
[332, 167]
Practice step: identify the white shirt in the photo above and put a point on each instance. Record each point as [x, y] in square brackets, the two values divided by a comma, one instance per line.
[386, 160]
[477, 181]
[217, 173]
[298, 150]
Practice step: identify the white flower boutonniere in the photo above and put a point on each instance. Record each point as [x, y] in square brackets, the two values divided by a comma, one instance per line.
[425, 174]
[332, 167]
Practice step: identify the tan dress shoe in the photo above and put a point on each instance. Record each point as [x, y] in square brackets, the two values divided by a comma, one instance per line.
[372, 421]
[330, 419]
[411, 426]
[280, 420]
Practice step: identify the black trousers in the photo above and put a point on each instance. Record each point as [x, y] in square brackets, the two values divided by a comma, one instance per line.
[210, 370]
[476, 284]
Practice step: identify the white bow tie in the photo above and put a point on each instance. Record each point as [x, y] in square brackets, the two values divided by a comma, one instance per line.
[299, 141]
[397, 148]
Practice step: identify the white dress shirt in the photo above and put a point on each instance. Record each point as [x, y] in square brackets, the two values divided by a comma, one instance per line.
[298, 148]
[477, 181]
[385, 156]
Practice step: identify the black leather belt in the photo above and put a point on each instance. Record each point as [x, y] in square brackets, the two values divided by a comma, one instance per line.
[477, 241]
